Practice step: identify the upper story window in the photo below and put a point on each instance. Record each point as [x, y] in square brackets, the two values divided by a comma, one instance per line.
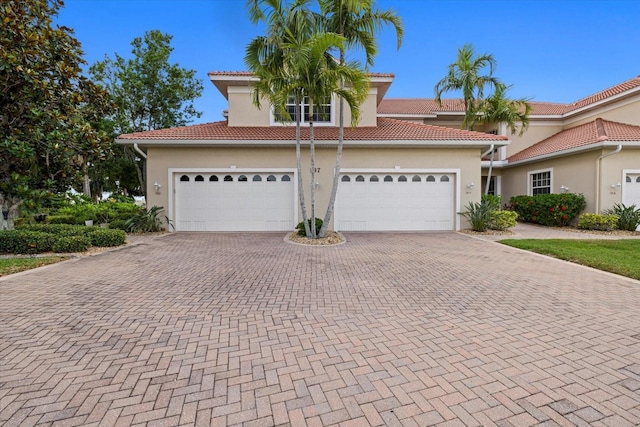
[322, 113]
[539, 182]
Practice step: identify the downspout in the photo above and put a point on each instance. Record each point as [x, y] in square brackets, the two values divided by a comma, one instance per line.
[139, 151]
[491, 150]
[598, 177]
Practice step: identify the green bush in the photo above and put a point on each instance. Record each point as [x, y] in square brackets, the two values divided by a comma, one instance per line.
[502, 220]
[104, 237]
[494, 201]
[72, 244]
[25, 241]
[60, 219]
[60, 230]
[592, 221]
[146, 221]
[549, 209]
[118, 224]
[300, 226]
[628, 216]
[479, 214]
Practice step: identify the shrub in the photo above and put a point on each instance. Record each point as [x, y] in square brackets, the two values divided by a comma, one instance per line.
[146, 221]
[60, 230]
[494, 201]
[118, 224]
[628, 216]
[105, 237]
[72, 244]
[501, 220]
[479, 215]
[25, 241]
[300, 226]
[549, 209]
[592, 221]
[60, 219]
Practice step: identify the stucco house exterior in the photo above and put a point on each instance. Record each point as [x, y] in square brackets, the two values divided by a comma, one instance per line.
[407, 166]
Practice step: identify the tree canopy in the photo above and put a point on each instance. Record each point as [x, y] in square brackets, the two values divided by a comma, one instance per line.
[149, 92]
[49, 112]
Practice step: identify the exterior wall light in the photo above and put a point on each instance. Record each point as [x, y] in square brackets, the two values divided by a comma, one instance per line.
[616, 186]
[564, 188]
[157, 187]
[470, 185]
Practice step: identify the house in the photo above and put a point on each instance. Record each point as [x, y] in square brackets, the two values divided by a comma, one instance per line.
[591, 146]
[406, 166]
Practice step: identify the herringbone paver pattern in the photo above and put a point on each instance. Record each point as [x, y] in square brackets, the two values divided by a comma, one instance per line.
[388, 329]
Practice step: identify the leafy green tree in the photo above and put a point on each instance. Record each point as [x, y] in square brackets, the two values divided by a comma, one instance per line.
[498, 109]
[150, 93]
[294, 60]
[465, 75]
[48, 110]
[357, 21]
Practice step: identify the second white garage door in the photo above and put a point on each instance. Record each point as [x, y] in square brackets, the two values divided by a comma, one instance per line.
[395, 202]
[256, 201]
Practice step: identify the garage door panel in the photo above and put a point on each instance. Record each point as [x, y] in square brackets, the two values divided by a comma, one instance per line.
[396, 202]
[234, 202]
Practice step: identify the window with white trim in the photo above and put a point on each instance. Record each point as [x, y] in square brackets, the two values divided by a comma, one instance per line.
[540, 182]
[322, 112]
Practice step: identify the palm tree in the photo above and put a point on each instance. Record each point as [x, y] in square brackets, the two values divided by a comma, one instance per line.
[294, 60]
[464, 75]
[357, 21]
[498, 109]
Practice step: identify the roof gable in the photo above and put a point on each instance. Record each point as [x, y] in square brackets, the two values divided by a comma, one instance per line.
[597, 131]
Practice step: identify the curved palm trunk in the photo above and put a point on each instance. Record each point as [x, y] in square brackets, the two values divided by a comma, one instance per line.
[312, 156]
[303, 207]
[336, 170]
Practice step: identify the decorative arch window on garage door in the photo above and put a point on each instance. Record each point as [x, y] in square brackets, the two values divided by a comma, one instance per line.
[228, 178]
[359, 178]
[346, 178]
[431, 178]
[242, 178]
[271, 178]
[388, 178]
[213, 178]
[416, 178]
[402, 178]
[184, 178]
[257, 178]
[444, 178]
[373, 178]
[199, 178]
[286, 178]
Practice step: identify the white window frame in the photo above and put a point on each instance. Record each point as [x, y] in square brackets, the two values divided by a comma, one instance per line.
[303, 121]
[530, 175]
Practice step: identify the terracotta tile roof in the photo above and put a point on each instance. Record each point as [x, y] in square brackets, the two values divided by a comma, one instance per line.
[249, 74]
[428, 106]
[593, 132]
[386, 130]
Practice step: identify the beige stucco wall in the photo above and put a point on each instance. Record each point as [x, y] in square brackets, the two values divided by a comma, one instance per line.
[161, 159]
[624, 111]
[242, 111]
[577, 172]
[536, 132]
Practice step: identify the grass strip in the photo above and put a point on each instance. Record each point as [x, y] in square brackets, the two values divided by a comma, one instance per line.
[615, 256]
[16, 265]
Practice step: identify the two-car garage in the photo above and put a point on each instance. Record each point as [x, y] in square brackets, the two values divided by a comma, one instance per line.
[266, 200]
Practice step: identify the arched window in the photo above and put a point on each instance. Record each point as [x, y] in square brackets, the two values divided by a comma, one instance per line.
[373, 178]
[271, 178]
[628, 178]
[199, 178]
[444, 178]
[184, 178]
[213, 178]
[346, 178]
[228, 178]
[257, 178]
[402, 178]
[242, 178]
[388, 178]
[431, 178]
[638, 179]
[359, 178]
[286, 178]
[416, 178]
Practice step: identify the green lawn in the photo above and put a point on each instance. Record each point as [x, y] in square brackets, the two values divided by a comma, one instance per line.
[15, 265]
[616, 256]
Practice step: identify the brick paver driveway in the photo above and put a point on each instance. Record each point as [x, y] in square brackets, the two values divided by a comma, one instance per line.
[388, 329]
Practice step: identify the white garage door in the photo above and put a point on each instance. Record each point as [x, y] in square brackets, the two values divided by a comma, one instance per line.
[395, 202]
[631, 192]
[234, 201]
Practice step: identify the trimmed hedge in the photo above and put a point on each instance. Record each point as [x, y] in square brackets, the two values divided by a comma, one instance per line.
[555, 210]
[25, 241]
[105, 237]
[592, 221]
[501, 220]
[72, 244]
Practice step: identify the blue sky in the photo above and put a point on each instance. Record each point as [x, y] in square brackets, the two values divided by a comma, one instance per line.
[549, 50]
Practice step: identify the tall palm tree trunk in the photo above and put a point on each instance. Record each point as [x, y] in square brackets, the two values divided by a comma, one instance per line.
[312, 156]
[303, 207]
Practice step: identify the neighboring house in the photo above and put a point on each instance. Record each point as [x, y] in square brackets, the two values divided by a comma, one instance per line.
[240, 174]
[591, 146]
[406, 166]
